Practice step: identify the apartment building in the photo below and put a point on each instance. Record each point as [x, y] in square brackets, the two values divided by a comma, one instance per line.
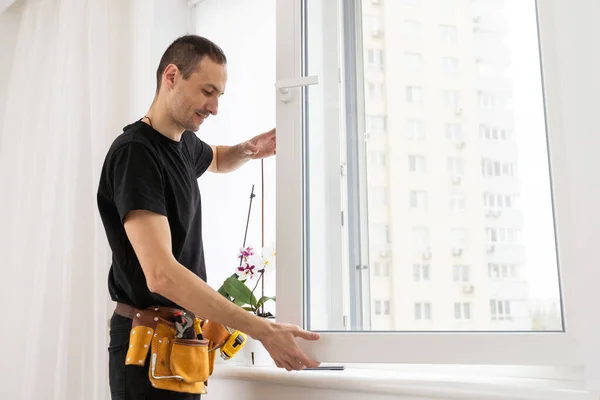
[446, 244]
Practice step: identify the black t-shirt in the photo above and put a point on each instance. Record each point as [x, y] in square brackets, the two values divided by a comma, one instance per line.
[145, 170]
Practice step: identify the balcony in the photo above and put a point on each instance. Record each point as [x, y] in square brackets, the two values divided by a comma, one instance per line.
[490, 8]
[501, 184]
[504, 148]
[491, 50]
[490, 23]
[504, 216]
[505, 253]
[509, 289]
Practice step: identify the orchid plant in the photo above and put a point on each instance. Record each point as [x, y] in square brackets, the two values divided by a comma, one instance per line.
[249, 274]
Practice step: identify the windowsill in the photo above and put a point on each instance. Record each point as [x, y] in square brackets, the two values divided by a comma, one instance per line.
[418, 383]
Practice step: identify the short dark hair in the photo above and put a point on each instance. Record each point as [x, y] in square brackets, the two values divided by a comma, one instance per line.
[186, 52]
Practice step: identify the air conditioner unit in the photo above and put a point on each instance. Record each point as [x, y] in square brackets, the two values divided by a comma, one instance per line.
[476, 19]
[457, 252]
[468, 289]
[456, 180]
[460, 145]
[490, 248]
[426, 255]
[377, 33]
[458, 111]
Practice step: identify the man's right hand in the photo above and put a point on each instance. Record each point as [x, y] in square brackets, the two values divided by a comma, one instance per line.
[280, 341]
[150, 236]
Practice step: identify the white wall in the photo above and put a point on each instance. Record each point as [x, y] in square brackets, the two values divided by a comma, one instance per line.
[152, 27]
[245, 30]
[9, 27]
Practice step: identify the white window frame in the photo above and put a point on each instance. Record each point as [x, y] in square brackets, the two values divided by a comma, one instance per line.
[570, 108]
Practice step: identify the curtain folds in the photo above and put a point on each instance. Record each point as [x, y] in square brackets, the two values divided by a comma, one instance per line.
[58, 124]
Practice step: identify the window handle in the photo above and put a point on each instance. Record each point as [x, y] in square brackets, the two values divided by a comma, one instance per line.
[283, 86]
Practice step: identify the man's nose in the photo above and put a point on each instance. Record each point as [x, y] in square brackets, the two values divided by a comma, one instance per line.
[213, 107]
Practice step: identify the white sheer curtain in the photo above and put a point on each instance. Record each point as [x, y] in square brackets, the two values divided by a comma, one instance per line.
[59, 120]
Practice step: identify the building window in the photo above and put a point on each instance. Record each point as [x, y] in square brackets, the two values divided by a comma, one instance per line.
[420, 239]
[415, 95]
[462, 311]
[411, 29]
[487, 132]
[416, 163]
[423, 311]
[495, 168]
[494, 201]
[457, 201]
[498, 271]
[375, 58]
[421, 272]
[376, 91]
[379, 195]
[376, 123]
[489, 100]
[377, 307]
[413, 62]
[381, 268]
[448, 33]
[385, 269]
[418, 199]
[451, 98]
[375, 28]
[456, 166]
[386, 307]
[450, 65]
[461, 273]
[453, 132]
[380, 234]
[378, 158]
[504, 235]
[500, 310]
[415, 129]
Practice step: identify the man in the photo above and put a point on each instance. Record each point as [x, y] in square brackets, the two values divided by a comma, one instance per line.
[149, 201]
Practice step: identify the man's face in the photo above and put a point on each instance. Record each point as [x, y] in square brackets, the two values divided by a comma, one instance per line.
[191, 101]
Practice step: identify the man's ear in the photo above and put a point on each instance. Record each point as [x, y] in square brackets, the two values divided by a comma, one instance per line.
[169, 75]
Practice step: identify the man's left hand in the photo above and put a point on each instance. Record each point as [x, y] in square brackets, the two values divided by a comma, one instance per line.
[261, 146]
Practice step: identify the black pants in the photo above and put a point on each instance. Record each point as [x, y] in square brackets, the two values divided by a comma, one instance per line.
[130, 382]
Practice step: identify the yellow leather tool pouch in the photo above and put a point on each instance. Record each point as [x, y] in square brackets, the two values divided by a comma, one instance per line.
[178, 365]
[211, 358]
[140, 339]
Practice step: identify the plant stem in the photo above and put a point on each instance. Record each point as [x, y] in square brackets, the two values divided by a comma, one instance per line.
[252, 195]
[262, 187]
[255, 286]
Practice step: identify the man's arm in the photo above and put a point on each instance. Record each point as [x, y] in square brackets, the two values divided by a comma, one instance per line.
[230, 158]
[150, 237]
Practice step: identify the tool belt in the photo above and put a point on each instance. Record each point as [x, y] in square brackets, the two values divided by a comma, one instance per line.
[176, 364]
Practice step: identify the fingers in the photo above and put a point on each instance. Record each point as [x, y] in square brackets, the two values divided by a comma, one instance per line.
[285, 351]
[306, 362]
[281, 364]
[306, 335]
[250, 149]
